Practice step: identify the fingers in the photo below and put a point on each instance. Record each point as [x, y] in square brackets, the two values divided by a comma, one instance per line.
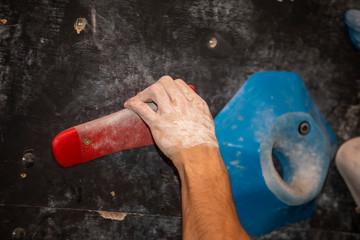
[171, 88]
[192, 96]
[186, 90]
[166, 93]
[155, 93]
[142, 109]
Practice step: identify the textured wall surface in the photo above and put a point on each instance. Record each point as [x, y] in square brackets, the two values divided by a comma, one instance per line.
[52, 78]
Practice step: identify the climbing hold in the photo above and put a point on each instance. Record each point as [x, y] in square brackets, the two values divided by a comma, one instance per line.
[286, 146]
[348, 163]
[352, 20]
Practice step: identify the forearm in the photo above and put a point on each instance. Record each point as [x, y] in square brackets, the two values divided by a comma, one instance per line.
[207, 205]
[184, 130]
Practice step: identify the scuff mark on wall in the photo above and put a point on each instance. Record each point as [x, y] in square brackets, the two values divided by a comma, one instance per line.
[118, 216]
[93, 20]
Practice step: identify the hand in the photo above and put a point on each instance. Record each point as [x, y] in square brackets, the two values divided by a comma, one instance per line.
[183, 128]
[183, 119]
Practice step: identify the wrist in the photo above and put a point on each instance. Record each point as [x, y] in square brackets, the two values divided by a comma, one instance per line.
[199, 162]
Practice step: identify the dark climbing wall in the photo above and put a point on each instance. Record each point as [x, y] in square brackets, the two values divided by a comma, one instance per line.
[52, 78]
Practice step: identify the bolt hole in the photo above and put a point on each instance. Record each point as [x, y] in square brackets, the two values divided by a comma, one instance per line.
[278, 166]
[19, 233]
[304, 128]
[212, 42]
[216, 44]
[87, 141]
[79, 25]
[28, 160]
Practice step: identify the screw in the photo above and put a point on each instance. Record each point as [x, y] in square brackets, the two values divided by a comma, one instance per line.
[304, 128]
[87, 142]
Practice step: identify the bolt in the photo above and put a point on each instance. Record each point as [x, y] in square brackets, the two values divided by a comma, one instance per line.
[28, 160]
[212, 42]
[19, 233]
[304, 128]
[80, 22]
[87, 142]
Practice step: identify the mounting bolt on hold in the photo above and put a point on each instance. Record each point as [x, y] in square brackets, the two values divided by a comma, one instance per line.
[18, 233]
[212, 42]
[304, 128]
[87, 141]
[79, 25]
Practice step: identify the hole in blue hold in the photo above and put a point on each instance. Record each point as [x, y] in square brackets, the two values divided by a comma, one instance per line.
[277, 165]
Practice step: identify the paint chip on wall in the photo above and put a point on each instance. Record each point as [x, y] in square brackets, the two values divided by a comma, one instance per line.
[118, 216]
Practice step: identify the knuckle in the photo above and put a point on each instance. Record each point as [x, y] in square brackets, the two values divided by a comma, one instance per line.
[132, 101]
[155, 88]
[165, 79]
[179, 81]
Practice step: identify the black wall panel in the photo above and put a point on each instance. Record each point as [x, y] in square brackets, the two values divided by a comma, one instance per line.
[52, 78]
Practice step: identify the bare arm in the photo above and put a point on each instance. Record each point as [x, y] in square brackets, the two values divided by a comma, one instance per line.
[184, 130]
[207, 204]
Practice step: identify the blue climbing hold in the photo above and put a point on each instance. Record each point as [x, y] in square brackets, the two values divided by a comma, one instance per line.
[273, 118]
[352, 20]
